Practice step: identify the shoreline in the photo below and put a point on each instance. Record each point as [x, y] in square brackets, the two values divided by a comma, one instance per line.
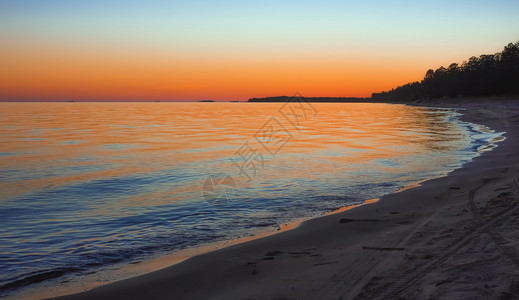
[126, 271]
[251, 269]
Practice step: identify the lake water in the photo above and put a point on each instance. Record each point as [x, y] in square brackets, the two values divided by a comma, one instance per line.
[86, 185]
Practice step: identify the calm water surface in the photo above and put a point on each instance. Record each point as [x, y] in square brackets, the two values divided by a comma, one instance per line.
[85, 185]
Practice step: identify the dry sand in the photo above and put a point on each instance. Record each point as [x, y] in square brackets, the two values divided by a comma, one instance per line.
[455, 237]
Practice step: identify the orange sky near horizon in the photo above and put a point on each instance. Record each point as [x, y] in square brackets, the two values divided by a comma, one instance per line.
[72, 73]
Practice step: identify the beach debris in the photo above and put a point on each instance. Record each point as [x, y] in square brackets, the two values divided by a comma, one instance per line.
[383, 248]
[274, 253]
[403, 222]
[299, 253]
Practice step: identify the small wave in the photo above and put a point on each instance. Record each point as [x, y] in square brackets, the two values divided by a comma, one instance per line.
[37, 277]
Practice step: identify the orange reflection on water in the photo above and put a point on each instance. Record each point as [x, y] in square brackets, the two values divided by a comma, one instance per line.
[62, 143]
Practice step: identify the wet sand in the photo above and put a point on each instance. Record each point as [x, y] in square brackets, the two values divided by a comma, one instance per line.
[455, 237]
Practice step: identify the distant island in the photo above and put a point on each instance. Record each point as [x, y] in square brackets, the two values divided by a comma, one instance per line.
[487, 75]
[206, 101]
[310, 99]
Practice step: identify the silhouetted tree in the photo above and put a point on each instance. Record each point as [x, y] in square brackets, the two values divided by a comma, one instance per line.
[479, 76]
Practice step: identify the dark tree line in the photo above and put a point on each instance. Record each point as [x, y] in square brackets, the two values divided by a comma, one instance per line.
[486, 75]
[309, 99]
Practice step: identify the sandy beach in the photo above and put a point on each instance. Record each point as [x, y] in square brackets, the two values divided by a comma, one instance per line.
[454, 237]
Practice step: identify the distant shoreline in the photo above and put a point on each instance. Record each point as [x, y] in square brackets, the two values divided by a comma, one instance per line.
[449, 100]
[424, 101]
[311, 99]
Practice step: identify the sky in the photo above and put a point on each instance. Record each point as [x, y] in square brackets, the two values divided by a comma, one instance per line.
[235, 50]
